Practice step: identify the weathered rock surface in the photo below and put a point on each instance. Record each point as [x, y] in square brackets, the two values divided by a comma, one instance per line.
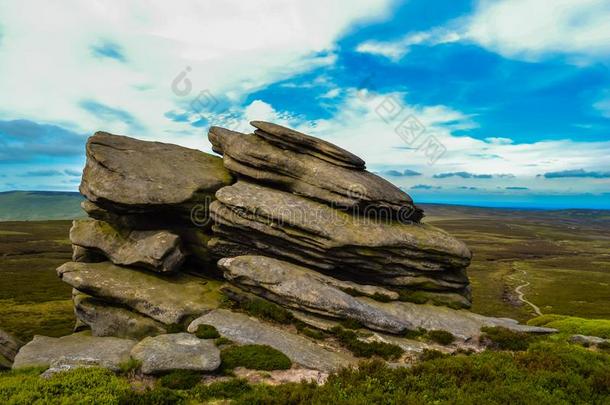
[107, 352]
[178, 351]
[287, 138]
[344, 188]
[253, 219]
[587, 340]
[108, 320]
[245, 330]
[67, 363]
[297, 287]
[167, 299]
[9, 346]
[127, 175]
[159, 251]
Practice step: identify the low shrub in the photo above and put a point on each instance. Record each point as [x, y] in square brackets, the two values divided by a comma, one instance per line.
[221, 390]
[207, 332]
[413, 333]
[504, 339]
[180, 380]
[350, 340]
[440, 336]
[155, 396]
[264, 309]
[223, 341]
[130, 366]
[255, 357]
[350, 323]
[428, 354]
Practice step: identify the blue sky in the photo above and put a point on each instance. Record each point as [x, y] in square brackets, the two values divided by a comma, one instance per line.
[501, 103]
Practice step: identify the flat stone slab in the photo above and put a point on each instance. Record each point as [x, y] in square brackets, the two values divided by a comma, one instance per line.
[299, 142]
[159, 251]
[242, 329]
[167, 299]
[177, 351]
[106, 352]
[129, 175]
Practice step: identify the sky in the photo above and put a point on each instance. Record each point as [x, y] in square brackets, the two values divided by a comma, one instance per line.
[494, 103]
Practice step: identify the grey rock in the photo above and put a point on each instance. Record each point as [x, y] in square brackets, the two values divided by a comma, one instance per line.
[9, 346]
[245, 330]
[298, 288]
[304, 289]
[587, 340]
[167, 299]
[287, 138]
[107, 352]
[108, 320]
[127, 175]
[253, 219]
[159, 251]
[356, 190]
[67, 363]
[178, 351]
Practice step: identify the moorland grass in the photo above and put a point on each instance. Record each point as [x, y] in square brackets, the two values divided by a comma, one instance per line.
[574, 325]
[546, 373]
[254, 357]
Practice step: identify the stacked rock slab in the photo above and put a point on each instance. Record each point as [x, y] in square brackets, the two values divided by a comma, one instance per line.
[306, 201]
[148, 204]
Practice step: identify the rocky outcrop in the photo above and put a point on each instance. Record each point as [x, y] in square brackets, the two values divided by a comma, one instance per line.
[245, 330]
[304, 225]
[159, 251]
[178, 351]
[107, 352]
[167, 300]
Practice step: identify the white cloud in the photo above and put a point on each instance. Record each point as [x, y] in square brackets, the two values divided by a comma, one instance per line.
[358, 127]
[232, 47]
[530, 29]
[396, 50]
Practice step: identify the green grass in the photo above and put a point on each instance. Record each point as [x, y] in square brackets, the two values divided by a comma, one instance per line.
[350, 340]
[261, 308]
[255, 357]
[180, 380]
[546, 373]
[207, 332]
[440, 336]
[39, 205]
[574, 325]
[505, 339]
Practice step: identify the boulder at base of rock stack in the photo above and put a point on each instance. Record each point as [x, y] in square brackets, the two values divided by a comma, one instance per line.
[245, 330]
[107, 352]
[9, 346]
[178, 351]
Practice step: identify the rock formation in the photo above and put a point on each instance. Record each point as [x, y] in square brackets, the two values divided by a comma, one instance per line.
[283, 217]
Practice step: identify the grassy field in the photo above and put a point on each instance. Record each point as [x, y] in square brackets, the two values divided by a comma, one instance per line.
[564, 255]
[32, 299]
[39, 205]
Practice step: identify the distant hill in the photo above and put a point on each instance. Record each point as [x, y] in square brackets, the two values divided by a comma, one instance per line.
[39, 205]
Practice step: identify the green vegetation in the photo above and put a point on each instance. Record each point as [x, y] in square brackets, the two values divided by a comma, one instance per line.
[223, 341]
[350, 340]
[505, 339]
[130, 367]
[33, 300]
[547, 373]
[440, 336]
[207, 332]
[255, 357]
[574, 325]
[350, 324]
[180, 380]
[264, 309]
